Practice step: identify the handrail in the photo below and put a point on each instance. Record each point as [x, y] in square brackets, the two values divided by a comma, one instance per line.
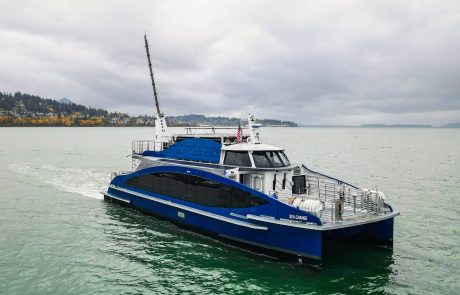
[338, 180]
[340, 200]
[211, 128]
[140, 146]
[288, 184]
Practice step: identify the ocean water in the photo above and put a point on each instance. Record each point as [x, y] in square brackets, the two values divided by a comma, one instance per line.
[58, 236]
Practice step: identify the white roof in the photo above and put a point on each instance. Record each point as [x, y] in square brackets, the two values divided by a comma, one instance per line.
[251, 147]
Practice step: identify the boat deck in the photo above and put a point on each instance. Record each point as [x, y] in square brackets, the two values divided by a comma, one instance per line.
[341, 202]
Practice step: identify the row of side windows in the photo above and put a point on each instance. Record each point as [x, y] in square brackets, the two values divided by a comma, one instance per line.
[195, 189]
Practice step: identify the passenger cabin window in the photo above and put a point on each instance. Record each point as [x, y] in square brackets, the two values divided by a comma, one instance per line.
[237, 159]
[195, 189]
[270, 159]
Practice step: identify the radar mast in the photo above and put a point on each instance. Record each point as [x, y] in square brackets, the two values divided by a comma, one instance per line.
[161, 129]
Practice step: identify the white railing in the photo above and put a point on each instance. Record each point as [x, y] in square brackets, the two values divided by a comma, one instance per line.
[140, 146]
[209, 129]
[339, 200]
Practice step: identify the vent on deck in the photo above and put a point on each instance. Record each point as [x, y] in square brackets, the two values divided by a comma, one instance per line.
[297, 171]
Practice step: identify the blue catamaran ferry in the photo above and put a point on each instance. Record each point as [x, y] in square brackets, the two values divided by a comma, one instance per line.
[225, 183]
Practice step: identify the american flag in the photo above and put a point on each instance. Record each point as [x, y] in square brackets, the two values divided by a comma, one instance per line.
[239, 133]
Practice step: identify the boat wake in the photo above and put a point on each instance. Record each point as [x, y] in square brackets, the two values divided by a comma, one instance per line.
[88, 183]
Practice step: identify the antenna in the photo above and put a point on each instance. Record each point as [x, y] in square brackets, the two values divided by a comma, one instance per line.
[161, 128]
[253, 138]
[151, 77]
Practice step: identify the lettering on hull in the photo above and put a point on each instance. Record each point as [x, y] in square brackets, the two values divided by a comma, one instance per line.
[298, 217]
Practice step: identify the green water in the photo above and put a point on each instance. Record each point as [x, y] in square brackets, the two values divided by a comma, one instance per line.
[57, 236]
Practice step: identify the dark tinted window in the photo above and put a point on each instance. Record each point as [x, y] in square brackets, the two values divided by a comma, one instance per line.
[237, 159]
[269, 159]
[284, 158]
[255, 201]
[195, 189]
[240, 200]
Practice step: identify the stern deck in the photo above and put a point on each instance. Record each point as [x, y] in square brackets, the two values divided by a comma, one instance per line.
[341, 203]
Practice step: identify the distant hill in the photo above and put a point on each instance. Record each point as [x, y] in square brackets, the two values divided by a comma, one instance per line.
[21, 109]
[196, 120]
[451, 125]
[65, 100]
[23, 104]
[395, 126]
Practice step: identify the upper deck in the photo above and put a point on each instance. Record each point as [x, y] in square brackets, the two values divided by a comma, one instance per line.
[199, 149]
[219, 145]
[223, 135]
[250, 147]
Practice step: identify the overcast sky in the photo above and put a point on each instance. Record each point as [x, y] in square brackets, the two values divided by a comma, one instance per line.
[313, 62]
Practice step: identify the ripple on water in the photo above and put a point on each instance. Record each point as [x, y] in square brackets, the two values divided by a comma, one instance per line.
[54, 241]
[88, 183]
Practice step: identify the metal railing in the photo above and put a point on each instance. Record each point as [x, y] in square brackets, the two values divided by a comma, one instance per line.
[279, 186]
[209, 129]
[340, 201]
[140, 146]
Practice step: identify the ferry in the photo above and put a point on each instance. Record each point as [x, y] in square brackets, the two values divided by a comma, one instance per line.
[225, 183]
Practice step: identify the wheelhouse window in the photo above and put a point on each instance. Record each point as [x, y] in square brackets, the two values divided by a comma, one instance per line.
[237, 158]
[270, 159]
[284, 158]
[195, 190]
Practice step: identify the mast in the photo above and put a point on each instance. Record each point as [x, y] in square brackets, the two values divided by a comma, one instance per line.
[253, 136]
[161, 129]
[151, 76]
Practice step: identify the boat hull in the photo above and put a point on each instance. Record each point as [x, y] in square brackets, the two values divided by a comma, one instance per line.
[375, 233]
[277, 240]
[289, 242]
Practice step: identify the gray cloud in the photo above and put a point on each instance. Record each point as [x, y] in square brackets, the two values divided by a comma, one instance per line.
[314, 62]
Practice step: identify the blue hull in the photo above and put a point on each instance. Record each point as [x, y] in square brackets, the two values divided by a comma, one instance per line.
[263, 222]
[276, 240]
[379, 233]
[296, 242]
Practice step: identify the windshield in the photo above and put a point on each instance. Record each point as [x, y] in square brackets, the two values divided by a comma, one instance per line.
[237, 159]
[270, 159]
[284, 158]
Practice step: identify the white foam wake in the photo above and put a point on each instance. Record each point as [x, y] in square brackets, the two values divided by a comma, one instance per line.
[88, 183]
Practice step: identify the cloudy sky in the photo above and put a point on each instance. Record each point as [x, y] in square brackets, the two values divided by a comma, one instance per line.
[313, 62]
